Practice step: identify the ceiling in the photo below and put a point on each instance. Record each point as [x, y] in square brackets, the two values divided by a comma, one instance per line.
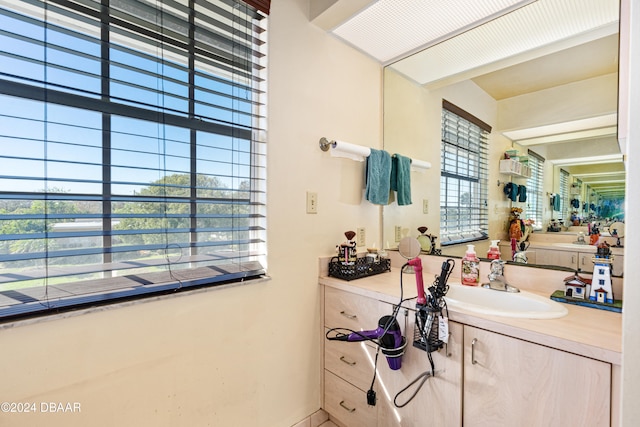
[534, 46]
[584, 61]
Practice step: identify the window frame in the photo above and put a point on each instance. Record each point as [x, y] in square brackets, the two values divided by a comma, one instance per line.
[248, 207]
[535, 189]
[470, 132]
[564, 195]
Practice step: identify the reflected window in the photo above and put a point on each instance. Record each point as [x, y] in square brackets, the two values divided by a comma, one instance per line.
[535, 189]
[564, 195]
[463, 176]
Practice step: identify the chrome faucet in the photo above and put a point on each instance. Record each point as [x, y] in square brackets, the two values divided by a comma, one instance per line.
[497, 282]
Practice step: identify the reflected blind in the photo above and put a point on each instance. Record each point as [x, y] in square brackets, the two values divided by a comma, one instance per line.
[564, 194]
[535, 190]
[463, 176]
[132, 148]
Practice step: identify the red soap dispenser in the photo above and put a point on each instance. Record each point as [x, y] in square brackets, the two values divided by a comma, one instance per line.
[494, 250]
[470, 267]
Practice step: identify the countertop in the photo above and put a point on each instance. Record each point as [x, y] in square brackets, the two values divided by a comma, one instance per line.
[584, 331]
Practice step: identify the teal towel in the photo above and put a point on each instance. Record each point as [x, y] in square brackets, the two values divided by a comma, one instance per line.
[378, 177]
[401, 179]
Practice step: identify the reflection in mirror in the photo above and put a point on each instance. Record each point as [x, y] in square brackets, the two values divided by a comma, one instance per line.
[554, 104]
[409, 248]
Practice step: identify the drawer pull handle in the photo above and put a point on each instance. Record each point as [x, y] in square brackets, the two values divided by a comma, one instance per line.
[348, 362]
[473, 351]
[348, 316]
[346, 407]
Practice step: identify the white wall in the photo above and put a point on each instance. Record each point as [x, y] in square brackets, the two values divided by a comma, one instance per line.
[247, 355]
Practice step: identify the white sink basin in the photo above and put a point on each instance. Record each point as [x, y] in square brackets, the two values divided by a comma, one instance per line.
[521, 304]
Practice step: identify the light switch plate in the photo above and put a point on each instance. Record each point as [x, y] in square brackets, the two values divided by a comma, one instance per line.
[361, 237]
[398, 233]
[425, 206]
[312, 202]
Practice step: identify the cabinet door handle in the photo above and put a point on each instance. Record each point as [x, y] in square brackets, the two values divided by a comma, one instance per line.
[446, 347]
[348, 316]
[573, 259]
[583, 263]
[473, 351]
[346, 407]
[348, 362]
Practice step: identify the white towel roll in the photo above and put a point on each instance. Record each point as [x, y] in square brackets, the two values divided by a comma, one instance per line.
[419, 165]
[349, 151]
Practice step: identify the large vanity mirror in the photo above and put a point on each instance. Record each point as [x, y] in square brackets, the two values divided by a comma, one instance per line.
[555, 98]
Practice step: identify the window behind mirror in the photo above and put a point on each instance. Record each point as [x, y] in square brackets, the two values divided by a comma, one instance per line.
[463, 176]
[132, 149]
[535, 191]
[564, 195]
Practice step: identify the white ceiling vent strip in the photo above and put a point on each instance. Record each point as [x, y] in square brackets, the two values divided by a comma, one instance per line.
[536, 25]
[389, 29]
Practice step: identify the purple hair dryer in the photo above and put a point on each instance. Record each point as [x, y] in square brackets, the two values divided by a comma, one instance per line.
[391, 343]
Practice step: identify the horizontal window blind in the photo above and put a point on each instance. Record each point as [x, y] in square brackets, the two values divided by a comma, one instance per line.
[132, 148]
[463, 177]
[535, 190]
[564, 195]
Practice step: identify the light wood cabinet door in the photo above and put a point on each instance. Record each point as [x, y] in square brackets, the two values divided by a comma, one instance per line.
[618, 265]
[585, 261]
[560, 258]
[347, 403]
[439, 401]
[510, 382]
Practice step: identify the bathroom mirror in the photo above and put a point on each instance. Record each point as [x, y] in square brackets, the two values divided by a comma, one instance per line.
[559, 101]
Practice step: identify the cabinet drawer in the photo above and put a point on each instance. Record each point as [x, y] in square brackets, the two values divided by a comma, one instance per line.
[352, 361]
[347, 310]
[346, 403]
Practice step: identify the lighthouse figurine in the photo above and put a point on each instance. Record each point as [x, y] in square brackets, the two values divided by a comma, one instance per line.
[601, 290]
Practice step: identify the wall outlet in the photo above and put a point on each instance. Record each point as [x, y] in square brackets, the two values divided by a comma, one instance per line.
[398, 233]
[425, 206]
[312, 202]
[361, 237]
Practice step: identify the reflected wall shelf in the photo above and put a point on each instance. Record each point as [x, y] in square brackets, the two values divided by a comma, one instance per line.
[514, 168]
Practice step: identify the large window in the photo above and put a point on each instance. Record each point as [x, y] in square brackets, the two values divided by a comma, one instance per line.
[132, 155]
[463, 176]
[535, 189]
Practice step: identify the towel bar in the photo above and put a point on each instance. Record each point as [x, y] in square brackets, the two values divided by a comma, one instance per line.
[326, 144]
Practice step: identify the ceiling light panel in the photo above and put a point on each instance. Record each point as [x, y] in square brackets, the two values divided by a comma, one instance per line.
[535, 26]
[606, 123]
[389, 29]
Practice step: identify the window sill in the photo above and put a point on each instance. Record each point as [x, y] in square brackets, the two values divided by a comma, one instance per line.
[126, 297]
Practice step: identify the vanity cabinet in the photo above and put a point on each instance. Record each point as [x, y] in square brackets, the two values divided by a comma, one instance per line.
[510, 382]
[575, 260]
[483, 378]
[555, 257]
[439, 401]
[349, 369]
